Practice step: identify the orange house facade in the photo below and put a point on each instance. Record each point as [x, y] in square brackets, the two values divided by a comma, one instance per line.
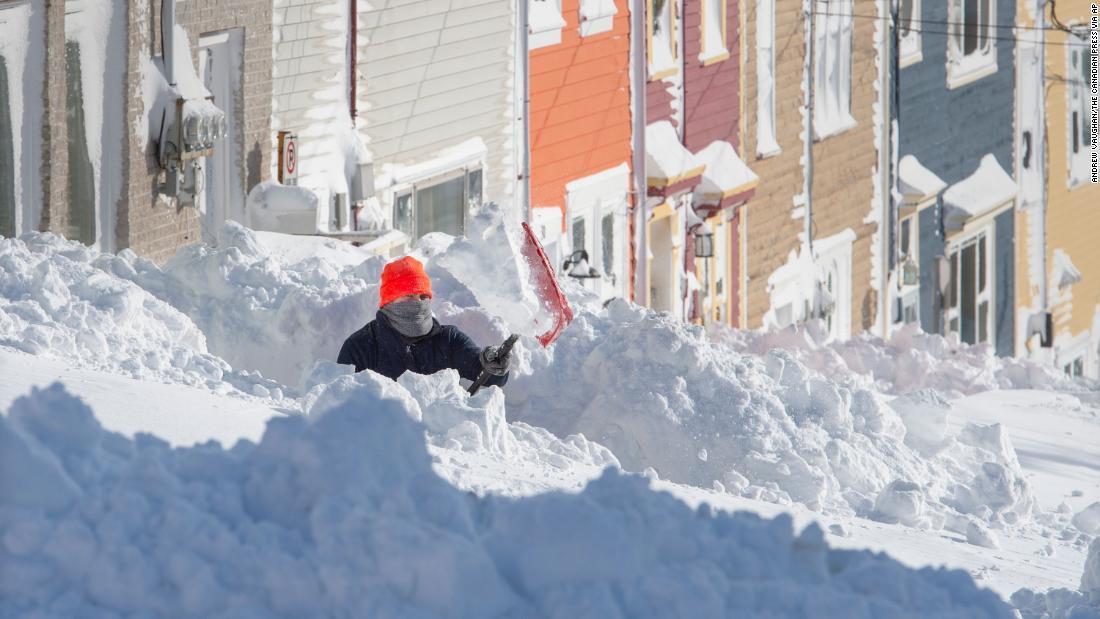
[580, 139]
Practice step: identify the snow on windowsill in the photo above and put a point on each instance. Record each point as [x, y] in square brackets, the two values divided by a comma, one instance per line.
[963, 71]
[715, 56]
[910, 59]
[823, 130]
[597, 16]
[662, 62]
[1065, 273]
[544, 24]
[916, 182]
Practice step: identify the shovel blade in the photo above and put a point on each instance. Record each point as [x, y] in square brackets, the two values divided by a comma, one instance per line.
[546, 288]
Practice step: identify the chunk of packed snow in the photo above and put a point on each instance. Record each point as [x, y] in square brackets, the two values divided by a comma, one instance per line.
[1088, 520]
[341, 514]
[665, 156]
[289, 209]
[980, 535]
[1064, 603]
[916, 181]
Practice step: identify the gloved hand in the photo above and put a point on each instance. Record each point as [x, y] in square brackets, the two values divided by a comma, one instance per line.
[494, 362]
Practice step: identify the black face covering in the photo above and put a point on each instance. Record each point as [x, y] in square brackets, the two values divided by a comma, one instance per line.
[410, 318]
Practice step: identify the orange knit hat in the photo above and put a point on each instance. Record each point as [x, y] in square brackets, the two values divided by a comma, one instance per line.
[401, 277]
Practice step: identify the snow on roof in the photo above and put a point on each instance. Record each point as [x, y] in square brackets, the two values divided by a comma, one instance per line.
[725, 174]
[987, 188]
[917, 181]
[1065, 272]
[666, 159]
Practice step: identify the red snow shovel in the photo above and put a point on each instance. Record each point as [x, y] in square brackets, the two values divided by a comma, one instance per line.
[549, 295]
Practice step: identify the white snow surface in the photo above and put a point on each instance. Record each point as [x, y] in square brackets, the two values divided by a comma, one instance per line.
[870, 435]
[340, 514]
[917, 181]
[987, 188]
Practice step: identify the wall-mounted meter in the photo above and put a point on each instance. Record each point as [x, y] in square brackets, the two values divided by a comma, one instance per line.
[191, 135]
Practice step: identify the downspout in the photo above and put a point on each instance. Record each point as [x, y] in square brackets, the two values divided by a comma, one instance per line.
[808, 177]
[886, 137]
[353, 61]
[637, 139]
[523, 159]
[1044, 299]
[168, 39]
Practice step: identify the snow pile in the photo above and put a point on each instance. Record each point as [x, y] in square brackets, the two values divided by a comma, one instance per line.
[908, 361]
[340, 514]
[660, 395]
[1064, 603]
[65, 300]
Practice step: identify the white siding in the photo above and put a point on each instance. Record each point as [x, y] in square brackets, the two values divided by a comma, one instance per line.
[310, 80]
[435, 74]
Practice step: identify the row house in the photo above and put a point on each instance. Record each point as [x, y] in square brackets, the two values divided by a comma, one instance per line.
[92, 117]
[953, 259]
[581, 180]
[1058, 272]
[811, 233]
[695, 176]
[404, 117]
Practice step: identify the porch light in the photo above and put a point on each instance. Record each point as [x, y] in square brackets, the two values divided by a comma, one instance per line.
[704, 241]
[910, 272]
[576, 266]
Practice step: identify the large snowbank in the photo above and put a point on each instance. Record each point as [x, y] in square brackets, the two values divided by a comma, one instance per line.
[910, 360]
[62, 299]
[662, 396]
[340, 514]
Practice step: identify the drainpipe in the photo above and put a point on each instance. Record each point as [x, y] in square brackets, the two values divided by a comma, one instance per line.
[353, 62]
[637, 98]
[808, 180]
[522, 95]
[168, 39]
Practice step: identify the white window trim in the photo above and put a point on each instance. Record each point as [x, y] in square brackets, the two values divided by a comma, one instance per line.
[838, 254]
[910, 49]
[910, 294]
[1073, 349]
[661, 65]
[766, 144]
[963, 70]
[1078, 165]
[411, 187]
[592, 197]
[597, 16]
[544, 23]
[833, 45]
[956, 245]
[709, 52]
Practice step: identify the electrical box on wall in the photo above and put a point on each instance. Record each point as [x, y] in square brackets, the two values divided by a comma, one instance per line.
[185, 141]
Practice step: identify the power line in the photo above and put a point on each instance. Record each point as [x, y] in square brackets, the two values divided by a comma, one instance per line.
[947, 33]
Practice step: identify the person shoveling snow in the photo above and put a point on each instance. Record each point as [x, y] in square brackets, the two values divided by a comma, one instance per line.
[404, 336]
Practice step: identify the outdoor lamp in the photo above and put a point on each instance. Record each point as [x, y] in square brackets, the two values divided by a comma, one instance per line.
[910, 272]
[704, 241]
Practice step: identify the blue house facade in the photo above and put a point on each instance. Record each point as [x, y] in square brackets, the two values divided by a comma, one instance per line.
[953, 205]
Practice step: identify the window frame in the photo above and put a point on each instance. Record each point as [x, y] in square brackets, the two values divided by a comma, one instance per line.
[965, 68]
[412, 189]
[955, 247]
[1078, 152]
[669, 68]
[909, 44]
[832, 66]
[709, 53]
[767, 143]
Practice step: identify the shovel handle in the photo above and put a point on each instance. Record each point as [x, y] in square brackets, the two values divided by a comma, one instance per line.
[484, 376]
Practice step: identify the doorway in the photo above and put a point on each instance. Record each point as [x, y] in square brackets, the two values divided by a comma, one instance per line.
[220, 71]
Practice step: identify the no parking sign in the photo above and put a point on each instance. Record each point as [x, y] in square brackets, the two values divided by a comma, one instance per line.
[288, 158]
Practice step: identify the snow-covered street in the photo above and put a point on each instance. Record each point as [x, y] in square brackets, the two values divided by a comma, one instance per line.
[315, 474]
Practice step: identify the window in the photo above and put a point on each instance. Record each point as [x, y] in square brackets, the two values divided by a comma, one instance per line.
[969, 300]
[438, 205]
[607, 244]
[579, 225]
[81, 175]
[1075, 368]
[714, 31]
[597, 16]
[1079, 117]
[970, 47]
[596, 229]
[7, 156]
[909, 27]
[833, 67]
[765, 78]
[662, 40]
[544, 23]
[909, 293]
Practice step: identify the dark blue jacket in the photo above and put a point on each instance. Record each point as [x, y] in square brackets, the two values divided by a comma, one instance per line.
[379, 347]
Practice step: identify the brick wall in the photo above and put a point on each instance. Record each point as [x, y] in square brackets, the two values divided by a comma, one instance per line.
[55, 158]
[156, 231]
